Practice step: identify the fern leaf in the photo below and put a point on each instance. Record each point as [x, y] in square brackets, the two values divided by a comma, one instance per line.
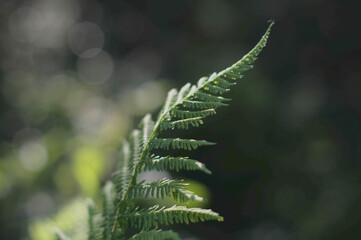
[181, 110]
[209, 98]
[191, 114]
[122, 177]
[95, 222]
[156, 235]
[181, 124]
[224, 83]
[183, 92]
[108, 210]
[178, 143]
[202, 105]
[173, 163]
[162, 188]
[147, 126]
[201, 81]
[151, 217]
[215, 89]
[170, 101]
[137, 149]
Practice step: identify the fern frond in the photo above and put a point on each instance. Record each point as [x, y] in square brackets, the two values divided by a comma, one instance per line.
[163, 188]
[151, 217]
[172, 163]
[147, 126]
[178, 143]
[182, 109]
[95, 222]
[156, 235]
[122, 177]
[108, 210]
[137, 146]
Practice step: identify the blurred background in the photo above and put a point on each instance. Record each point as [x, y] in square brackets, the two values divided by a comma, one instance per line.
[77, 75]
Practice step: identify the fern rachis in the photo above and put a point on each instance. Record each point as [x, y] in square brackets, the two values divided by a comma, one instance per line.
[183, 109]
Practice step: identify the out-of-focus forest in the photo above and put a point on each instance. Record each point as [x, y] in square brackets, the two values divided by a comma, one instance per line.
[77, 75]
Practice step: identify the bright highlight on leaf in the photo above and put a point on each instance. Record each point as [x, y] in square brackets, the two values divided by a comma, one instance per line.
[183, 109]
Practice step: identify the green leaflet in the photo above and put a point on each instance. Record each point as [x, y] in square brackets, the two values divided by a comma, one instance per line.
[147, 126]
[172, 163]
[163, 188]
[171, 99]
[208, 97]
[108, 210]
[178, 143]
[183, 92]
[137, 147]
[181, 114]
[211, 87]
[151, 217]
[182, 109]
[95, 222]
[121, 176]
[181, 124]
[202, 104]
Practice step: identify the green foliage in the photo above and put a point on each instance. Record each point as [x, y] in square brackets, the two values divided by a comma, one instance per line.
[172, 163]
[162, 188]
[183, 109]
[151, 217]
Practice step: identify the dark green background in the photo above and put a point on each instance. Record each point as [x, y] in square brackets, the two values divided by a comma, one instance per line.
[287, 162]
